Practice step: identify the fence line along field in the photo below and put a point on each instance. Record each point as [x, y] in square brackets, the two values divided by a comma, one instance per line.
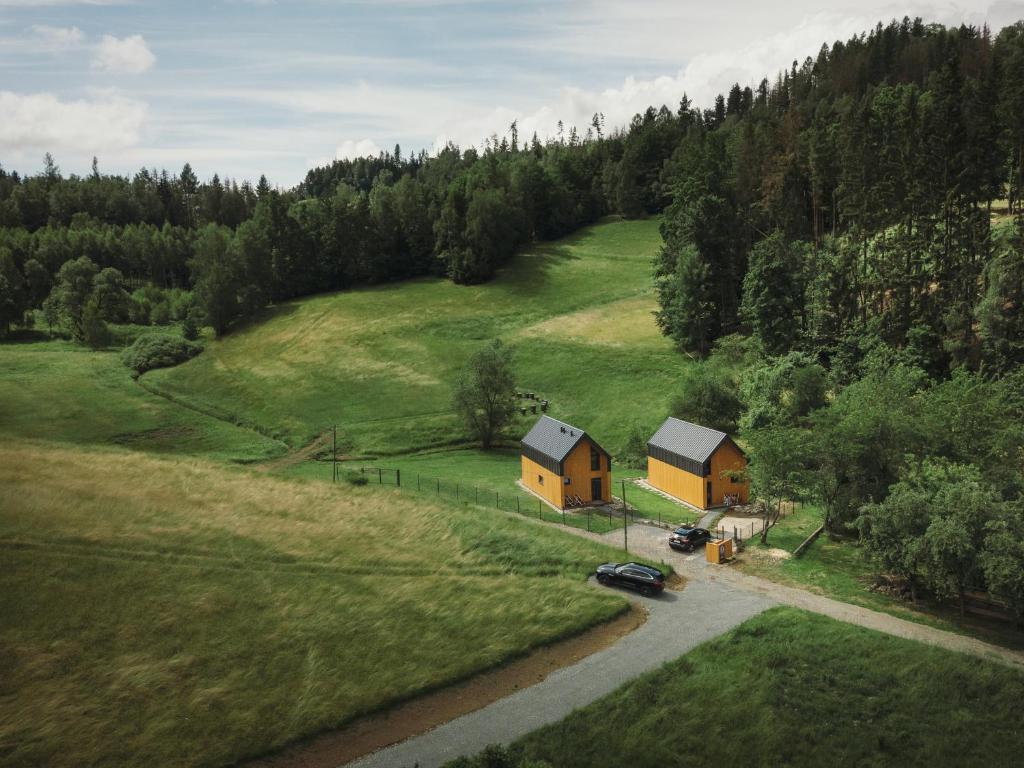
[380, 362]
[187, 613]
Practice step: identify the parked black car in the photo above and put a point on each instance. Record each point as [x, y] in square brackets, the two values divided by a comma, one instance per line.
[688, 539]
[642, 578]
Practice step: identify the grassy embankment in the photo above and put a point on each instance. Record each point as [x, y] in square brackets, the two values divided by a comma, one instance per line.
[794, 688]
[839, 570]
[178, 612]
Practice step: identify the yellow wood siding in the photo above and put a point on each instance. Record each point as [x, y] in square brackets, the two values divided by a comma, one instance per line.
[693, 488]
[551, 486]
[577, 469]
[676, 482]
[727, 458]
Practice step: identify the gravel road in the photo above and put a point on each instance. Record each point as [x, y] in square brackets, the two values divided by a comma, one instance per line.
[648, 542]
[715, 600]
[678, 622]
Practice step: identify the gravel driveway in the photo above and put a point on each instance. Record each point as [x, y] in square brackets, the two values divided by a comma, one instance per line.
[678, 622]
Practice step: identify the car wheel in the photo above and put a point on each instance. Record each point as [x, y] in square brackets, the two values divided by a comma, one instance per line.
[646, 591]
[602, 579]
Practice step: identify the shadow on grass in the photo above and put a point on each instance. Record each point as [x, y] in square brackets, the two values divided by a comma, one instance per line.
[530, 271]
[30, 336]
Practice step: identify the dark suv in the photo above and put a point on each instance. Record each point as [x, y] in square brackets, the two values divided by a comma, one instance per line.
[688, 539]
[644, 579]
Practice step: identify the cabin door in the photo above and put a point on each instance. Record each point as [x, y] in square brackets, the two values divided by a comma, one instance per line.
[595, 489]
[708, 504]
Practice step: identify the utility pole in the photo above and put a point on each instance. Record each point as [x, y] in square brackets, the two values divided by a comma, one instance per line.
[334, 452]
[625, 520]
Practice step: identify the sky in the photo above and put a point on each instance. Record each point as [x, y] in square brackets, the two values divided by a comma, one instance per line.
[244, 87]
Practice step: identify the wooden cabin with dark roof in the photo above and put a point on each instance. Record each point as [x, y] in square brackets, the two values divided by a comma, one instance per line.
[700, 466]
[564, 465]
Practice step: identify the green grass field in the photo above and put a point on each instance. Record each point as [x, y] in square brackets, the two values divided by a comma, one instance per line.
[794, 688]
[379, 362]
[178, 612]
[59, 391]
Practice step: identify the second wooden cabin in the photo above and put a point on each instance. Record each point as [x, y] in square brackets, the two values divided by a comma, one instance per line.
[696, 464]
[561, 463]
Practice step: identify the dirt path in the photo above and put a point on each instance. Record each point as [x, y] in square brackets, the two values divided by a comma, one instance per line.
[318, 444]
[420, 715]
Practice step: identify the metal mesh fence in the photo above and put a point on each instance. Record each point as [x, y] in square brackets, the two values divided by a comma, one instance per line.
[596, 519]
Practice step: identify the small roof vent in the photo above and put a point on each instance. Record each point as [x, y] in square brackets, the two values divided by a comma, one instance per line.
[571, 433]
[563, 430]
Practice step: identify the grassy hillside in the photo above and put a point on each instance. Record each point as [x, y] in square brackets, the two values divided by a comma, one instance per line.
[59, 391]
[177, 612]
[380, 361]
[793, 688]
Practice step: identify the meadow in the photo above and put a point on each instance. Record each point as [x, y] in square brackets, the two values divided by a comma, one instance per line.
[379, 362]
[793, 688]
[172, 611]
[60, 391]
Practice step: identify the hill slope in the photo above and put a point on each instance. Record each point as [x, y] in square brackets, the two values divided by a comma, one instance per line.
[380, 361]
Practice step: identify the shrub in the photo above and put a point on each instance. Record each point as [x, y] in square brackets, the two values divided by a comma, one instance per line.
[707, 397]
[635, 453]
[356, 478]
[158, 350]
[190, 326]
[160, 314]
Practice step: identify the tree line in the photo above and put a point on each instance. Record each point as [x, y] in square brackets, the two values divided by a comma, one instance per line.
[458, 213]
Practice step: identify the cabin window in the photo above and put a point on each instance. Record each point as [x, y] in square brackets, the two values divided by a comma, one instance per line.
[595, 459]
[540, 479]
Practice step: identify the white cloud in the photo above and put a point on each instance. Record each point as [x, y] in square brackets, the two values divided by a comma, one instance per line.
[705, 75]
[349, 149]
[128, 55]
[57, 38]
[41, 121]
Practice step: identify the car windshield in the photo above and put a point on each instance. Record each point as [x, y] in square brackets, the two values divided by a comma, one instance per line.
[683, 531]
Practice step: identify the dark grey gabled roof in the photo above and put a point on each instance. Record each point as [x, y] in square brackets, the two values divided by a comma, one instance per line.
[686, 440]
[555, 439]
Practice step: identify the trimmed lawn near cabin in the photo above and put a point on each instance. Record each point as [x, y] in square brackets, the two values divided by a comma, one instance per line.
[795, 688]
[839, 569]
[178, 612]
[380, 362]
[60, 391]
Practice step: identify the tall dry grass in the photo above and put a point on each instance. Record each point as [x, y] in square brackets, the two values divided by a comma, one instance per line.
[175, 612]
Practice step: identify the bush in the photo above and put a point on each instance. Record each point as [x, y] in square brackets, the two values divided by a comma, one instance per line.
[707, 397]
[158, 350]
[160, 314]
[356, 478]
[635, 453]
[190, 326]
